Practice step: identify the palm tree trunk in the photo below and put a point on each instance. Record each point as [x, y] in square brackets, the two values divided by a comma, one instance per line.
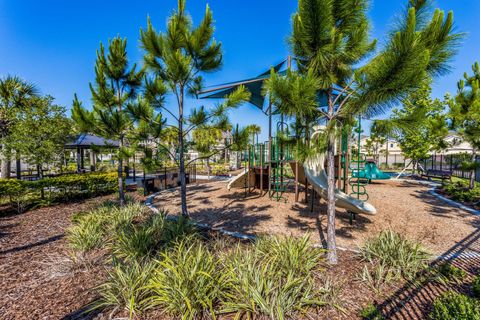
[331, 241]
[183, 182]
[472, 172]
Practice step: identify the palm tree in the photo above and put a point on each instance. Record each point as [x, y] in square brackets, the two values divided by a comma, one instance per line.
[14, 93]
[330, 38]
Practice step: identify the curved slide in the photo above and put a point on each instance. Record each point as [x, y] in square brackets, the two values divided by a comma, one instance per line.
[317, 177]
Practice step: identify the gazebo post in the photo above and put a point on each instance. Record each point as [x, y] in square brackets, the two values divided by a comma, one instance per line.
[82, 158]
[79, 163]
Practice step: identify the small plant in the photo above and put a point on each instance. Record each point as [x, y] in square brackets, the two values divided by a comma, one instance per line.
[371, 312]
[126, 287]
[392, 257]
[455, 306]
[178, 229]
[267, 281]
[451, 272]
[87, 234]
[188, 281]
[476, 287]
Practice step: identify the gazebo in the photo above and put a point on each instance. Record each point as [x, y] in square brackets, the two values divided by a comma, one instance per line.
[83, 142]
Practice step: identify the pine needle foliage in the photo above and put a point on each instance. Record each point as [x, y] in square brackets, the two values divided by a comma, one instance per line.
[116, 84]
[177, 58]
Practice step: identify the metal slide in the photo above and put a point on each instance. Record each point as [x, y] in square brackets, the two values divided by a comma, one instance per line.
[317, 177]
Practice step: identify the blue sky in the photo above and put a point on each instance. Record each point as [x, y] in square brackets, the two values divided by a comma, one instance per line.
[53, 43]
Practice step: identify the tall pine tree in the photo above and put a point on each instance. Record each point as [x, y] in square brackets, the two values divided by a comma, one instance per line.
[116, 84]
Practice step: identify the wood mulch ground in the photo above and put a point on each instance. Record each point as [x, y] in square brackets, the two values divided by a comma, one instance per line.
[37, 280]
[406, 207]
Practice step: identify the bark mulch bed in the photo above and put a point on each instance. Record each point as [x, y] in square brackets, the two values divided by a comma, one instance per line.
[37, 278]
[406, 207]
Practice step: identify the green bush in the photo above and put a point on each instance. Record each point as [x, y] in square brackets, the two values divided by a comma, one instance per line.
[392, 257]
[455, 306]
[459, 191]
[188, 280]
[476, 287]
[451, 273]
[371, 312]
[58, 188]
[126, 287]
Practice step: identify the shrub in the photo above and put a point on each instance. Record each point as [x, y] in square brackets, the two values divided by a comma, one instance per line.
[188, 280]
[476, 287]
[459, 191]
[178, 229]
[455, 306]
[371, 312]
[261, 281]
[392, 257]
[87, 234]
[126, 287]
[451, 273]
[57, 188]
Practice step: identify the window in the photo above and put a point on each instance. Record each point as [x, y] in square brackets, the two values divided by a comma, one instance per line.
[391, 145]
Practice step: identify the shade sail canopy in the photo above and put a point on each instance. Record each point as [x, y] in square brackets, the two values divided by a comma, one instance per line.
[84, 140]
[253, 85]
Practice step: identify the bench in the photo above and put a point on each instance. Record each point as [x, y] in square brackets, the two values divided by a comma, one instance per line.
[439, 174]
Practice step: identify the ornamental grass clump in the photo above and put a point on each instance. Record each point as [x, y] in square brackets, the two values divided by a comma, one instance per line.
[266, 279]
[126, 287]
[391, 257]
[189, 281]
[87, 234]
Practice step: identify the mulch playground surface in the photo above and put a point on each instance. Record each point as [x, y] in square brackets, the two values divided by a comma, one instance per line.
[37, 283]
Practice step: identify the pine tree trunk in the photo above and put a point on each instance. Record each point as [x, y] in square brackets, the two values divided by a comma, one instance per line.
[121, 193]
[183, 181]
[472, 173]
[331, 241]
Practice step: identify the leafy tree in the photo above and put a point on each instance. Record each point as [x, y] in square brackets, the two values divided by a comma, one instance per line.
[41, 132]
[206, 139]
[177, 58]
[14, 92]
[420, 126]
[330, 38]
[465, 115]
[115, 86]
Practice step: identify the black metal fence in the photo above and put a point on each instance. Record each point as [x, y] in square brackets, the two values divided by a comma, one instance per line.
[450, 162]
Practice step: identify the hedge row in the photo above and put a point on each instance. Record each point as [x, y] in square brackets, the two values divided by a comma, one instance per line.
[58, 188]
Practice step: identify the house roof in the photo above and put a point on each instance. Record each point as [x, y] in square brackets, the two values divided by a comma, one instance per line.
[84, 140]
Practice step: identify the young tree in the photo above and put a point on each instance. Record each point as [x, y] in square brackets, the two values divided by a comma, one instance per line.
[465, 115]
[330, 38]
[178, 57]
[41, 132]
[14, 92]
[420, 126]
[205, 139]
[115, 86]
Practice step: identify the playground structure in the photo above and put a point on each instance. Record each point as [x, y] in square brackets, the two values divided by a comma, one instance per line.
[268, 164]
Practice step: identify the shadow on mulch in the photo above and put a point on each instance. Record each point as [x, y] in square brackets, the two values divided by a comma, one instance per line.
[415, 302]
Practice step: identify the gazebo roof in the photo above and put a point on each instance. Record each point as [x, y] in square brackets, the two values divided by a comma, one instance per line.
[86, 141]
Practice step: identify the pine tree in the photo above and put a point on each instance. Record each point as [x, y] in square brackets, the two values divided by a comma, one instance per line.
[330, 38]
[178, 57]
[115, 86]
[465, 115]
